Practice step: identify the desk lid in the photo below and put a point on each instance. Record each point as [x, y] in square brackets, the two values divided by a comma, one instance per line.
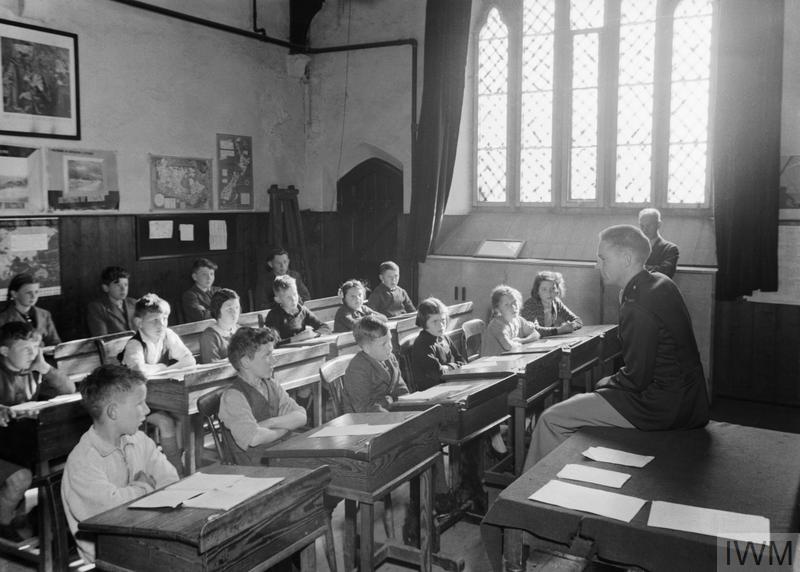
[409, 424]
[467, 392]
[207, 528]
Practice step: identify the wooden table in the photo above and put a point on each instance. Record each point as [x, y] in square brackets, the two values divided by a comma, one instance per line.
[41, 441]
[253, 535]
[365, 468]
[722, 466]
[178, 394]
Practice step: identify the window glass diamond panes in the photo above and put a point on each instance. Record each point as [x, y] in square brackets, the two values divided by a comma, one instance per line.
[585, 14]
[492, 110]
[635, 101]
[537, 101]
[691, 71]
[584, 109]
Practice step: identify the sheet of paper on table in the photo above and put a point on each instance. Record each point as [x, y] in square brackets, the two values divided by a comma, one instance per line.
[355, 429]
[617, 457]
[479, 364]
[576, 497]
[204, 490]
[733, 525]
[433, 392]
[594, 475]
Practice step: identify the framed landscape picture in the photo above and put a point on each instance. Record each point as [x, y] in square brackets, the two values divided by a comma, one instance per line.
[40, 82]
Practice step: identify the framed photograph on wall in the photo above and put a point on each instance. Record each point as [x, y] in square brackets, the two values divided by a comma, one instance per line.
[40, 82]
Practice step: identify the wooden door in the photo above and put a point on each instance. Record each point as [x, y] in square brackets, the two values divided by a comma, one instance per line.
[370, 202]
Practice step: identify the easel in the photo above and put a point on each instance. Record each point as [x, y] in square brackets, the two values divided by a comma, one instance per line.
[286, 227]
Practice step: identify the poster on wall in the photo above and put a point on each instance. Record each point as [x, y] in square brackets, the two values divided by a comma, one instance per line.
[180, 183]
[234, 172]
[40, 82]
[30, 245]
[20, 178]
[82, 180]
[789, 188]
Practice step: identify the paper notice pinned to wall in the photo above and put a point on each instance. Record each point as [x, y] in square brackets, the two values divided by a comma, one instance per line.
[217, 235]
[187, 232]
[28, 242]
[160, 229]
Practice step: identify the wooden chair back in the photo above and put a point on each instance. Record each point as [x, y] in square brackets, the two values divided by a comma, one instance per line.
[111, 346]
[324, 308]
[404, 358]
[459, 313]
[208, 407]
[331, 374]
[190, 333]
[473, 332]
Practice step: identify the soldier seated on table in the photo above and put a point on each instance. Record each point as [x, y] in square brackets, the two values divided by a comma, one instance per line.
[113, 462]
[24, 376]
[255, 410]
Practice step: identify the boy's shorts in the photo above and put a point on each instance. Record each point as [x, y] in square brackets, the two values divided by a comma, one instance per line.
[7, 469]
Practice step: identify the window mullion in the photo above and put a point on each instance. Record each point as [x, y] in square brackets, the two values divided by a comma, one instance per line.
[515, 104]
[609, 76]
[562, 94]
[661, 102]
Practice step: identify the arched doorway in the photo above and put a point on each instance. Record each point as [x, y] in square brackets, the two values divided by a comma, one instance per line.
[369, 201]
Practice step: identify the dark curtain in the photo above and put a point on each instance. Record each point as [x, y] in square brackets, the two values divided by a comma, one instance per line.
[746, 159]
[446, 40]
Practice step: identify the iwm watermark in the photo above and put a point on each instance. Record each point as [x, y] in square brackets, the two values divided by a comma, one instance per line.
[781, 552]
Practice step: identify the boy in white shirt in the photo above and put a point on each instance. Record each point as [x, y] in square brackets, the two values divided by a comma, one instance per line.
[114, 462]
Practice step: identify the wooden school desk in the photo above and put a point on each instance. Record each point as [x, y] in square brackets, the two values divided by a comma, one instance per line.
[254, 535]
[473, 408]
[40, 441]
[177, 393]
[365, 468]
[722, 466]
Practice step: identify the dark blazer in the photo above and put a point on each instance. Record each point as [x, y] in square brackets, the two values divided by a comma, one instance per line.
[104, 317]
[432, 357]
[662, 385]
[196, 304]
[663, 257]
[367, 383]
[44, 322]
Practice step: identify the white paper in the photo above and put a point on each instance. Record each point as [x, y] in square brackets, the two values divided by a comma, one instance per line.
[22, 242]
[606, 455]
[355, 429]
[28, 407]
[160, 229]
[202, 482]
[734, 525]
[165, 498]
[576, 497]
[593, 475]
[478, 364]
[217, 235]
[433, 392]
[187, 232]
[66, 397]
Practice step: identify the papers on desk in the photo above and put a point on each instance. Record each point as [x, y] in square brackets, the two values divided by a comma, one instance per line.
[576, 497]
[31, 408]
[606, 455]
[355, 429]
[733, 525]
[204, 490]
[179, 373]
[434, 392]
[594, 475]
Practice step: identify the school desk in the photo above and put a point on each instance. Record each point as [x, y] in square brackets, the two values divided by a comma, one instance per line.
[722, 466]
[472, 408]
[177, 391]
[367, 467]
[253, 535]
[41, 440]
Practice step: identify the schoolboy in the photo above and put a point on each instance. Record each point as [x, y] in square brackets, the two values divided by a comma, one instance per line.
[196, 301]
[290, 318]
[278, 263]
[113, 462]
[24, 376]
[372, 381]
[353, 307]
[112, 312]
[388, 298]
[255, 410]
[151, 350]
[433, 354]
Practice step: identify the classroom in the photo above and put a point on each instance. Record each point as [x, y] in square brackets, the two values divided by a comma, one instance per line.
[476, 144]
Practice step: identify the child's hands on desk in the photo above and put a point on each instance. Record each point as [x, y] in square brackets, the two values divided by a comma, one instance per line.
[306, 334]
[143, 477]
[569, 327]
[6, 415]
